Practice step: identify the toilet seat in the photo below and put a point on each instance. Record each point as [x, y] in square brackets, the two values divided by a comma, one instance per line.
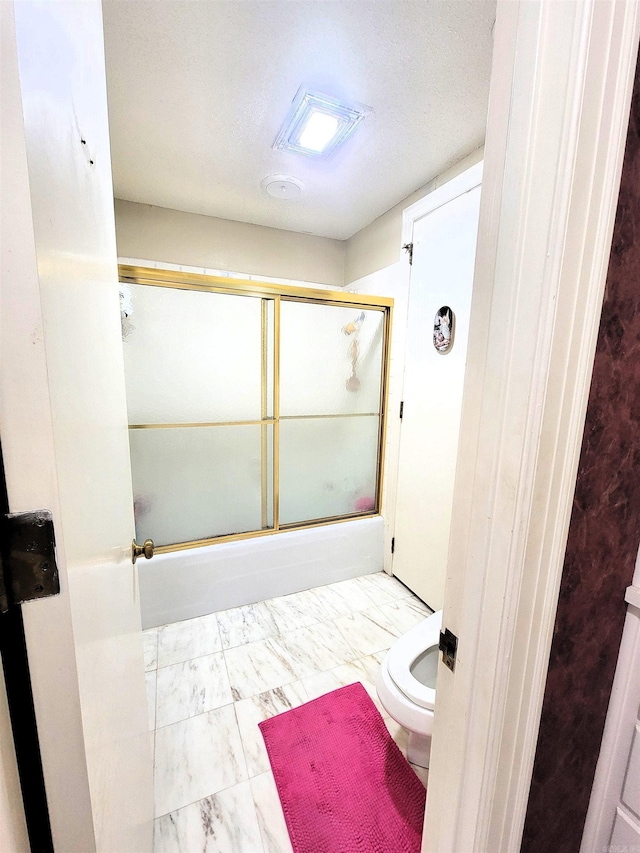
[403, 653]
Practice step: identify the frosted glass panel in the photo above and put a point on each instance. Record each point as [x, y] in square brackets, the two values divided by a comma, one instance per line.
[190, 356]
[327, 467]
[330, 359]
[196, 483]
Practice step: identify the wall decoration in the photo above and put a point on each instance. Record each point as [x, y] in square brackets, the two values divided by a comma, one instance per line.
[443, 329]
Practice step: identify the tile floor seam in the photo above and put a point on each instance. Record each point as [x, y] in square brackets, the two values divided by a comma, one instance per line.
[155, 712]
[200, 799]
[244, 754]
[312, 626]
[346, 639]
[195, 717]
[188, 660]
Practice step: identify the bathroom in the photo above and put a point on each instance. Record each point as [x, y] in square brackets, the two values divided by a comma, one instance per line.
[228, 607]
[96, 619]
[271, 621]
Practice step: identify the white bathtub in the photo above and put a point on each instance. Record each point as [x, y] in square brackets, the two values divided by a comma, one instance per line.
[198, 581]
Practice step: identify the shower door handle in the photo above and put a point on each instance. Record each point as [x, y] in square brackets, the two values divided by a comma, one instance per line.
[145, 550]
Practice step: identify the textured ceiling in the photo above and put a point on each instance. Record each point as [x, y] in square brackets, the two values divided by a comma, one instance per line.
[198, 90]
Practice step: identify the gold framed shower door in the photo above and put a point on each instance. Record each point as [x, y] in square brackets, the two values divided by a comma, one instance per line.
[274, 293]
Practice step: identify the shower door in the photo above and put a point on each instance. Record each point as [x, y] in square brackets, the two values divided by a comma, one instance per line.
[252, 409]
[199, 373]
[330, 411]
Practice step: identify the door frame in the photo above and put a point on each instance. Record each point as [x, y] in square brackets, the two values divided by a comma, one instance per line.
[560, 95]
[64, 427]
[561, 86]
[461, 184]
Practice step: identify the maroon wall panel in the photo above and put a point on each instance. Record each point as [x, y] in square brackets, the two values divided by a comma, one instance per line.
[603, 541]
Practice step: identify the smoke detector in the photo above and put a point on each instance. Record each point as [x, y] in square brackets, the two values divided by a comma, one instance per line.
[282, 186]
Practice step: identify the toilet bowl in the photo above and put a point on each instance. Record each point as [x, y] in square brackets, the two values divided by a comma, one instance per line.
[406, 684]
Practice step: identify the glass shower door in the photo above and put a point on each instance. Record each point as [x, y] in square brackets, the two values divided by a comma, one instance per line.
[199, 374]
[252, 408]
[331, 371]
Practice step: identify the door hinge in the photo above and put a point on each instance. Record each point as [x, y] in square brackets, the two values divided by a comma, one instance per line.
[408, 247]
[393, 544]
[448, 645]
[401, 409]
[28, 567]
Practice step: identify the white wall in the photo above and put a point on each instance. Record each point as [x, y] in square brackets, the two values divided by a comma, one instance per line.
[176, 237]
[379, 244]
[179, 238]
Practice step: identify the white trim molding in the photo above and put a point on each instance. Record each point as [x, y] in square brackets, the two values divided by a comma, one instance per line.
[462, 183]
[559, 104]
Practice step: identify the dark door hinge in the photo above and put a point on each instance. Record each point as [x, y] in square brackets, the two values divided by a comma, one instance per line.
[401, 409]
[408, 247]
[28, 567]
[448, 645]
[393, 544]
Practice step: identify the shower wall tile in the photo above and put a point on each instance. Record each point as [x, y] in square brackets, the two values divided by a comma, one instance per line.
[601, 547]
[192, 687]
[367, 631]
[192, 638]
[246, 625]
[222, 823]
[196, 758]
[252, 711]
[273, 829]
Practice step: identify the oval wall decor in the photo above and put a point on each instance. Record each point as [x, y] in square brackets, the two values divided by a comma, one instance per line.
[443, 329]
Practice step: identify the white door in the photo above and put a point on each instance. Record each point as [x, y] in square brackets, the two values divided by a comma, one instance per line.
[613, 818]
[444, 248]
[13, 828]
[64, 426]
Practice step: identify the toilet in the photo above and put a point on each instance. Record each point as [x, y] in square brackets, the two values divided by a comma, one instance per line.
[406, 684]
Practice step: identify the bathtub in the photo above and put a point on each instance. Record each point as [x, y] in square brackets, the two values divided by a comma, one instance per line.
[197, 581]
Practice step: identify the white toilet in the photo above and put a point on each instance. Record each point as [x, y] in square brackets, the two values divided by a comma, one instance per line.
[406, 684]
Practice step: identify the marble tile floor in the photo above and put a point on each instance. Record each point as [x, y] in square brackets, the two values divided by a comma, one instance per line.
[211, 680]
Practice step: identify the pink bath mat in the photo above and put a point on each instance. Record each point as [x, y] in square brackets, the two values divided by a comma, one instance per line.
[344, 785]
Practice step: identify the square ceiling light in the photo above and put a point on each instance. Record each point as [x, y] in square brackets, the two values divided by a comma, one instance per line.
[318, 124]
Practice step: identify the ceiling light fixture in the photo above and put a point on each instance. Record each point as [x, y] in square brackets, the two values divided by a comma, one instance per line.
[317, 125]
